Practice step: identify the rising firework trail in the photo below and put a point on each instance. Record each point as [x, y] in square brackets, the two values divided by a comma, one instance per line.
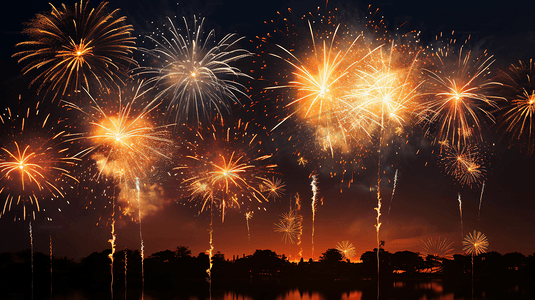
[50, 246]
[460, 212]
[141, 241]
[392, 197]
[314, 185]
[248, 216]
[126, 272]
[31, 253]
[480, 200]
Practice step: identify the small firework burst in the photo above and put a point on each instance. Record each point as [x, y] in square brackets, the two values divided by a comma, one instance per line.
[290, 225]
[346, 249]
[475, 243]
[35, 162]
[274, 187]
[197, 76]
[465, 163]
[74, 47]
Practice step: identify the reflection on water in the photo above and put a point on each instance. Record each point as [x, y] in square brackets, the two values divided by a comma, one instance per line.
[394, 290]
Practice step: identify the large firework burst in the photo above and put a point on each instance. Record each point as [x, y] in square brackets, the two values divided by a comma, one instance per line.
[197, 75]
[35, 163]
[74, 47]
[519, 114]
[121, 138]
[224, 167]
[460, 91]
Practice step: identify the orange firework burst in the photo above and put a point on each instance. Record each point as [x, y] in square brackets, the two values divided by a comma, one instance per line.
[197, 77]
[475, 243]
[222, 168]
[383, 93]
[460, 92]
[465, 163]
[519, 116]
[318, 81]
[122, 140]
[74, 47]
[34, 163]
[346, 249]
[274, 187]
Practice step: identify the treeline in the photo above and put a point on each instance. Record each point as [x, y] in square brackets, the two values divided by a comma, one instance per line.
[179, 269]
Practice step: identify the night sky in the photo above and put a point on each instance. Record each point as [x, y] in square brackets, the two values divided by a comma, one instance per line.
[425, 202]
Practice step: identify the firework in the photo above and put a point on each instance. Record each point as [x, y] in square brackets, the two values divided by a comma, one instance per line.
[74, 47]
[318, 90]
[437, 247]
[346, 249]
[274, 187]
[518, 117]
[480, 201]
[35, 162]
[384, 93]
[123, 140]
[224, 167]
[464, 162]
[290, 225]
[460, 212]
[460, 92]
[475, 243]
[196, 75]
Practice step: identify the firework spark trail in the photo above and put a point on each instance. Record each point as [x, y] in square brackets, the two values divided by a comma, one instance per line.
[314, 185]
[461, 212]
[50, 246]
[248, 216]
[300, 220]
[480, 200]
[210, 252]
[31, 254]
[141, 240]
[111, 256]
[392, 197]
[125, 274]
